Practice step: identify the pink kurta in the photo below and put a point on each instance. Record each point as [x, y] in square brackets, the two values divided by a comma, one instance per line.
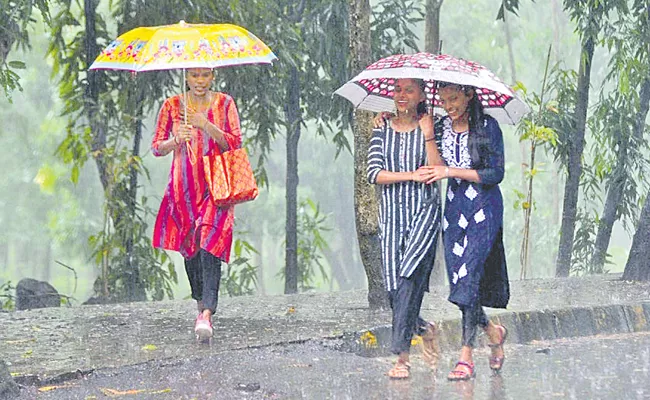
[188, 218]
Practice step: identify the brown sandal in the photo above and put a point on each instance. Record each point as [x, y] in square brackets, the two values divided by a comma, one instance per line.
[430, 346]
[496, 363]
[401, 370]
[460, 374]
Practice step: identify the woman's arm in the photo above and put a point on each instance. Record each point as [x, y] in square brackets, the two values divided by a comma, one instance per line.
[430, 145]
[163, 142]
[494, 165]
[230, 138]
[376, 172]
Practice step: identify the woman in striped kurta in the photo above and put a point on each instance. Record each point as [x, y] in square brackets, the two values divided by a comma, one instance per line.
[188, 220]
[472, 148]
[398, 159]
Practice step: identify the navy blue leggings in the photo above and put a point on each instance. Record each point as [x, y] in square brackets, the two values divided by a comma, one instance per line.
[204, 273]
[473, 316]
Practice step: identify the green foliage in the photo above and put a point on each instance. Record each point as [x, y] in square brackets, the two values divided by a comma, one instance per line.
[560, 117]
[537, 135]
[311, 244]
[583, 244]
[7, 299]
[15, 18]
[392, 26]
[240, 276]
[508, 6]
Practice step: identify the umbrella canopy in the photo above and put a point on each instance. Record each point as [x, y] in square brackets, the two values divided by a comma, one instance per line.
[183, 45]
[373, 88]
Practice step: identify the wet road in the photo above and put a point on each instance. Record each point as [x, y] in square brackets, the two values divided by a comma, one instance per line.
[602, 367]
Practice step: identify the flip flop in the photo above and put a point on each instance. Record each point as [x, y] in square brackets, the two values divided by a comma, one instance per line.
[401, 370]
[462, 375]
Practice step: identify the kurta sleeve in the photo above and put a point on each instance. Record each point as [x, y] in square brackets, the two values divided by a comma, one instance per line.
[493, 167]
[163, 127]
[375, 155]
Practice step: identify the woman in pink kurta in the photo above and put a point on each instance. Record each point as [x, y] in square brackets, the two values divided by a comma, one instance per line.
[188, 220]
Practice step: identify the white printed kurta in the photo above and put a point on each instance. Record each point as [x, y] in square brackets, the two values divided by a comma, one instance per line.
[473, 220]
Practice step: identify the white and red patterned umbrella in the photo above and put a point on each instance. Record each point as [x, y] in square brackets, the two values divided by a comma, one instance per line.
[373, 88]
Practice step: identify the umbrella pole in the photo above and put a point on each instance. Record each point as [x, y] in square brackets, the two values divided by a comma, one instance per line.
[184, 97]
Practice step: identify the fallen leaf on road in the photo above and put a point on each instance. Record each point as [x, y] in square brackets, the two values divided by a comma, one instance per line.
[54, 387]
[149, 347]
[368, 339]
[118, 393]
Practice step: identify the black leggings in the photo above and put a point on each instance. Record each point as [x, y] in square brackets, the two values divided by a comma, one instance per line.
[406, 302]
[204, 273]
[473, 316]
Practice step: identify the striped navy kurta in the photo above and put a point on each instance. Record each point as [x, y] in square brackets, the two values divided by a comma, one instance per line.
[409, 215]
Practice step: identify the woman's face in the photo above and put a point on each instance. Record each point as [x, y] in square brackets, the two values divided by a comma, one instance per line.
[407, 95]
[454, 100]
[199, 80]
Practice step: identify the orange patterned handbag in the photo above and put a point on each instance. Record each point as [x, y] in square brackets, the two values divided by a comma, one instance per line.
[230, 177]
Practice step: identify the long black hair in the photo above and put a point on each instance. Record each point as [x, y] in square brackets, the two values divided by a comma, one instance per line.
[422, 106]
[478, 141]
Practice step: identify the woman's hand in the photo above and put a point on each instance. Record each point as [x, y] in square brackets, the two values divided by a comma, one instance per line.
[185, 133]
[426, 124]
[198, 120]
[438, 172]
[424, 174]
[379, 119]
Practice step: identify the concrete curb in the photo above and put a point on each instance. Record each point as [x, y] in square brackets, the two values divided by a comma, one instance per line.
[523, 327]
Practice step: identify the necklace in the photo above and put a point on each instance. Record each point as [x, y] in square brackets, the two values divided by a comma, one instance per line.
[202, 106]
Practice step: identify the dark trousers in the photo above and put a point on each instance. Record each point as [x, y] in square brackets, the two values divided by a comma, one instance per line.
[406, 302]
[473, 316]
[204, 273]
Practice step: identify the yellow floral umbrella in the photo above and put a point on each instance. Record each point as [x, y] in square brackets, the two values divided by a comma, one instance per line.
[183, 45]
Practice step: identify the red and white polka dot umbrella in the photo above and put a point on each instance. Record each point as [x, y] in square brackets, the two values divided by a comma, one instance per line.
[373, 88]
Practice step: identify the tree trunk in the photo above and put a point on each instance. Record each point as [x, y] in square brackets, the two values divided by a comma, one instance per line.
[292, 112]
[637, 267]
[432, 26]
[617, 184]
[577, 144]
[91, 94]
[365, 197]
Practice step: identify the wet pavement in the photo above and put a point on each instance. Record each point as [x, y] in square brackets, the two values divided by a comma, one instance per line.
[598, 367]
[56, 344]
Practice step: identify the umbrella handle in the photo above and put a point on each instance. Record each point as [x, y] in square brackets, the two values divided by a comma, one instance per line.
[188, 145]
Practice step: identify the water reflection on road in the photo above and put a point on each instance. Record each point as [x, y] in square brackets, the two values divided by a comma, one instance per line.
[606, 367]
